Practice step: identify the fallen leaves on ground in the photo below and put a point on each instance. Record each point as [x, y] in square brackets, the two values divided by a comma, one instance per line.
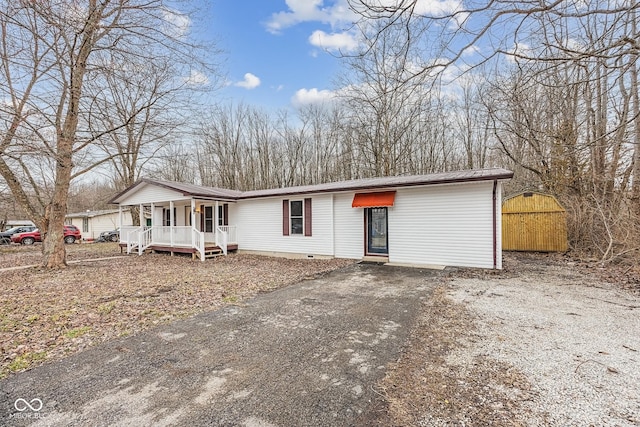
[47, 314]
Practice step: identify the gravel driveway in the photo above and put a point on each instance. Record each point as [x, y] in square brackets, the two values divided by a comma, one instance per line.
[575, 338]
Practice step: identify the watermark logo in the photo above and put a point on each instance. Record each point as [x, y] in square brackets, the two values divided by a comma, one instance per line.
[22, 405]
[27, 409]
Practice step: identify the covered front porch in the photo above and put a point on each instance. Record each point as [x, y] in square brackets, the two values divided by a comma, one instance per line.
[196, 226]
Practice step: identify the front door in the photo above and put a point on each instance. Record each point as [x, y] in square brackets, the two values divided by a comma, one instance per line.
[376, 226]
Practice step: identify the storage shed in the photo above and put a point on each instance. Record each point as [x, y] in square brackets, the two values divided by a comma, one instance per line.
[534, 222]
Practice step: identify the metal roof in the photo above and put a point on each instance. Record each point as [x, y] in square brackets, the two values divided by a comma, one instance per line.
[185, 189]
[352, 185]
[386, 182]
[91, 214]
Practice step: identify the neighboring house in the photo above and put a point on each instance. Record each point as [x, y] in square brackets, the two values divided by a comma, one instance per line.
[92, 223]
[450, 219]
[18, 223]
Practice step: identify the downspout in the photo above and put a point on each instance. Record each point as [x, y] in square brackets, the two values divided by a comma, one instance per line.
[495, 226]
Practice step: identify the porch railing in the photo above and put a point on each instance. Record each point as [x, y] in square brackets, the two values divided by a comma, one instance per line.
[144, 240]
[172, 236]
[232, 235]
[222, 238]
[140, 238]
[197, 237]
[130, 236]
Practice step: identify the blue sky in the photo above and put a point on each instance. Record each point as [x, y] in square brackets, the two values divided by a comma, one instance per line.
[277, 51]
[283, 53]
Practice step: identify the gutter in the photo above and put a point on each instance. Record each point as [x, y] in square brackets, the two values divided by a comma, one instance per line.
[495, 226]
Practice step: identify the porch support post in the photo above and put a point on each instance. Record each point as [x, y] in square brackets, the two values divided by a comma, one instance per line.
[153, 215]
[216, 220]
[141, 214]
[120, 217]
[171, 221]
[193, 222]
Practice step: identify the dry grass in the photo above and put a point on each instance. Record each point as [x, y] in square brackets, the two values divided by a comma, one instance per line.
[47, 314]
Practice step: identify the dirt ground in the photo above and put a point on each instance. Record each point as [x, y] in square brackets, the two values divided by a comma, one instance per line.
[547, 341]
[46, 315]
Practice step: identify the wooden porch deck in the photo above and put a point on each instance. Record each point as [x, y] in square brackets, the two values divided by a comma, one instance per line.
[208, 248]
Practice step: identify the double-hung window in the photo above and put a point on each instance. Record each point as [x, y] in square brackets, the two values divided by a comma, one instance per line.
[296, 217]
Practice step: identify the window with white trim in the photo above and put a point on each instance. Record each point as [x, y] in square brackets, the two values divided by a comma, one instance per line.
[296, 216]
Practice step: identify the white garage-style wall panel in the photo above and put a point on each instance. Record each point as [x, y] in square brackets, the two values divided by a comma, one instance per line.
[444, 224]
[349, 227]
[260, 226]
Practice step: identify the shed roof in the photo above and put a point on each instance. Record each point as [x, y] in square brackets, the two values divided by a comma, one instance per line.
[366, 184]
[531, 201]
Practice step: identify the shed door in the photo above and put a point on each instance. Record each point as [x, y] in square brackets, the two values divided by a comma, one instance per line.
[376, 226]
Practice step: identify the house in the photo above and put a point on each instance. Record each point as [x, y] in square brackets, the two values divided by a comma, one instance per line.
[449, 219]
[92, 223]
[18, 223]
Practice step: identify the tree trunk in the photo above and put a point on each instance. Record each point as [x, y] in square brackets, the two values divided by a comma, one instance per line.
[635, 95]
[53, 250]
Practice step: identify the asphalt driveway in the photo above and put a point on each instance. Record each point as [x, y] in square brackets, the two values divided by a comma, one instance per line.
[305, 355]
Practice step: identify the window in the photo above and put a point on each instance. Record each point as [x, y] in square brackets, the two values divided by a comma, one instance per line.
[208, 219]
[223, 214]
[297, 218]
[166, 217]
[85, 224]
[187, 214]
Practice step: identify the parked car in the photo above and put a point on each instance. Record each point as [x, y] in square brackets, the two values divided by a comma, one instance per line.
[109, 236]
[71, 234]
[5, 236]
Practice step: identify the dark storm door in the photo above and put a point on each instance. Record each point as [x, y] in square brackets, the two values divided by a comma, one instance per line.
[377, 238]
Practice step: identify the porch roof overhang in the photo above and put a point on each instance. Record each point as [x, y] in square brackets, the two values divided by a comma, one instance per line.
[373, 200]
[189, 190]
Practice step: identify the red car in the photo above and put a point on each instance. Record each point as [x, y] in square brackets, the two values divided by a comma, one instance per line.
[71, 234]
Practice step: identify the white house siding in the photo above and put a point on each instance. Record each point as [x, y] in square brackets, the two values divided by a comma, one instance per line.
[233, 214]
[147, 194]
[100, 223]
[260, 226]
[444, 224]
[349, 227]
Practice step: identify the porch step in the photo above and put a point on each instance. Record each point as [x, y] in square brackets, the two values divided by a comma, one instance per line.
[212, 252]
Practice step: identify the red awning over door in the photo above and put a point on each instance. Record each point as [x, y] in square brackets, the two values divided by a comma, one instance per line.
[373, 200]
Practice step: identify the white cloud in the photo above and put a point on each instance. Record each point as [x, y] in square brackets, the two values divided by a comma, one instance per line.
[437, 7]
[197, 78]
[470, 51]
[250, 81]
[423, 7]
[309, 11]
[177, 23]
[312, 96]
[344, 42]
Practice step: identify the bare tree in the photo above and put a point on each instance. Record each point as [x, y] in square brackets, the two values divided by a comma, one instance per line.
[50, 50]
[384, 104]
[449, 31]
